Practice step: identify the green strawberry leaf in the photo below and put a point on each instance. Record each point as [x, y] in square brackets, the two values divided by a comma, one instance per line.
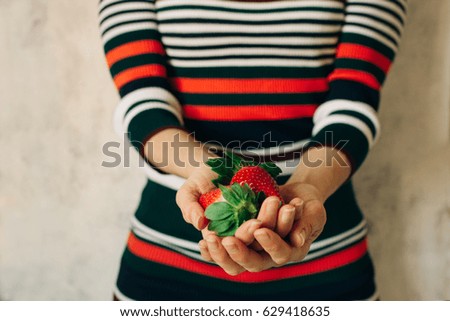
[221, 226]
[219, 211]
[230, 232]
[271, 168]
[230, 195]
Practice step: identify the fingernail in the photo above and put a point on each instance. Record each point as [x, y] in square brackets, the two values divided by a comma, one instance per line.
[299, 204]
[212, 242]
[254, 225]
[264, 237]
[231, 248]
[200, 223]
[287, 215]
[301, 238]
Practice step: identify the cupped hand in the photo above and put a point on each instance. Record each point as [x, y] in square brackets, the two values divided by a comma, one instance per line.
[198, 183]
[278, 235]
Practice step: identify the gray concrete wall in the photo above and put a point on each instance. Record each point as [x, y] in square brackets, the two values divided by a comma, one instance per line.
[64, 217]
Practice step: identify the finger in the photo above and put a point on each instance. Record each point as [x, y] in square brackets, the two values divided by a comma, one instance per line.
[206, 232]
[298, 204]
[221, 257]
[246, 230]
[204, 250]
[310, 224]
[269, 212]
[245, 257]
[274, 245]
[285, 220]
[193, 213]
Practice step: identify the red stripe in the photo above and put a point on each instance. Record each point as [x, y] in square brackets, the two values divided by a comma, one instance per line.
[248, 113]
[139, 72]
[160, 255]
[364, 53]
[247, 86]
[134, 48]
[355, 75]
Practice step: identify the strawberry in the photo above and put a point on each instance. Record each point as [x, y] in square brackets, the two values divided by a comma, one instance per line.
[210, 197]
[241, 188]
[227, 207]
[258, 179]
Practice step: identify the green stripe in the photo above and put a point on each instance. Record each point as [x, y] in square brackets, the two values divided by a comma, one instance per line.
[251, 72]
[244, 57]
[381, 8]
[382, 33]
[250, 22]
[240, 46]
[382, 21]
[356, 64]
[359, 116]
[136, 61]
[255, 35]
[131, 36]
[255, 9]
[146, 122]
[127, 22]
[368, 42]
[252, 99]
[125, 12]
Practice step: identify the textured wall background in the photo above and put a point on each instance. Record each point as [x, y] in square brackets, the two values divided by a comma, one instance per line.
[64, 217]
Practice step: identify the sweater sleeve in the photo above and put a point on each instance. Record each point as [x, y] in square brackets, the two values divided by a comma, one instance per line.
[367, 45]
[137, 61]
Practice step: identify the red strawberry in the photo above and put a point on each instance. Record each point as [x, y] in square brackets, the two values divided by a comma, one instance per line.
[227, 207]
[212, 196]
[258, 179]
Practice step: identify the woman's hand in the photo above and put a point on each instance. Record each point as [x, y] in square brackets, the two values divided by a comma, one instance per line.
[199, 182]
[278, 236]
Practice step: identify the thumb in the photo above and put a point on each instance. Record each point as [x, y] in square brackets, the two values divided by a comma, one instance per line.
[310, 224]
[187, 201]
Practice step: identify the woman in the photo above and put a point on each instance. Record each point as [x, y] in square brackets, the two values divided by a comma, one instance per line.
[295, 82]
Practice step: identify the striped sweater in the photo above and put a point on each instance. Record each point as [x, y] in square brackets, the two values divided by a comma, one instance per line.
[268, 77]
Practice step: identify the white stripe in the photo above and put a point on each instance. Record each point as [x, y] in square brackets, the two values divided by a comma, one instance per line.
[171, 246]
[250, 5]
[368, 22]
[128, 28]
[341, 104]
[144, 107]
[213, 41]
[105, 3]
[389, 5]
[251, 62]
[195, 28]
[239, 16]
[125, 7]
[360, 9]
[153, 235]
[126, 17]
[336, 246]
[348, 120]
[140, 95]
[337, 238]
[120, 296]
[177, 53]
[371, 34]
[276, 150]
